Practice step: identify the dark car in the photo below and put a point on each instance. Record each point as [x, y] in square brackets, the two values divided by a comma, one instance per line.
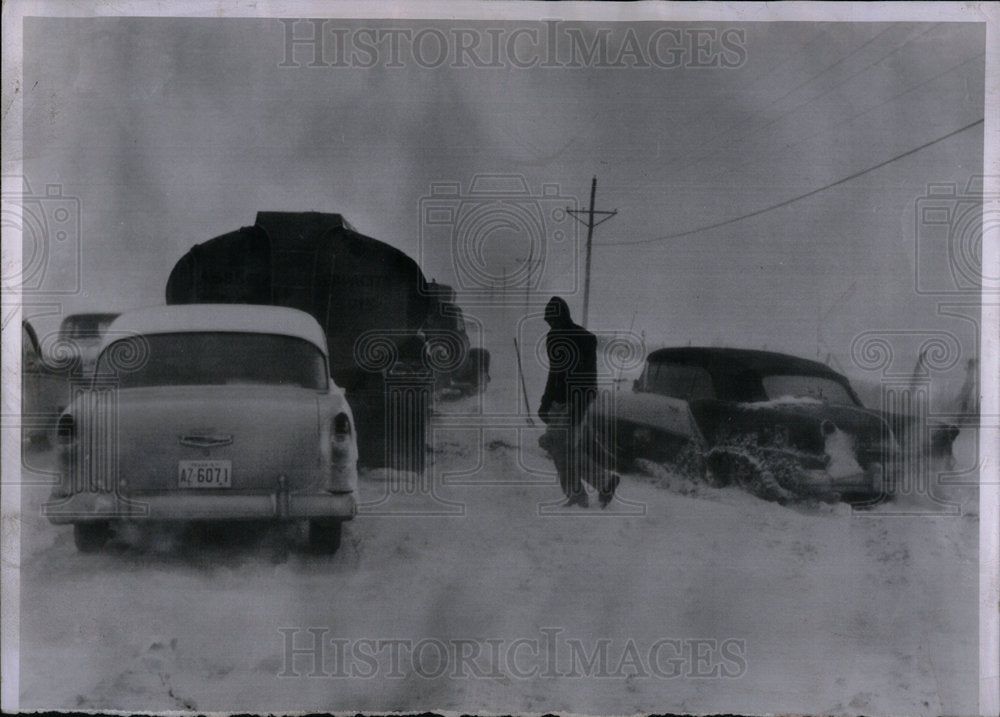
[782, 426]
[83, 333]
[44, 390]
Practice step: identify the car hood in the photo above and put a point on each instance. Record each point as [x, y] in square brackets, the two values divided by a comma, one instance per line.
[672, 415]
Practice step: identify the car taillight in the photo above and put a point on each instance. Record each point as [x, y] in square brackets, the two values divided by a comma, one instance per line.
[343, 454]
[66, 430]
[341, 425]
[340, 438]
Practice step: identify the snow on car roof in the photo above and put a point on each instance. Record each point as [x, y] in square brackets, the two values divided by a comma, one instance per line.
[237, 318]
[760, 362]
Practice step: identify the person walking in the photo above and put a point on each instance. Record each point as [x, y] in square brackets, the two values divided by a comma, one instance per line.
[571, 387]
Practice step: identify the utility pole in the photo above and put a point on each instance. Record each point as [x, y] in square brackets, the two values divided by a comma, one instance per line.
[590, 224]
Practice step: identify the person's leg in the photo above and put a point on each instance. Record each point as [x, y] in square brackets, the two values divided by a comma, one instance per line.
[575, 467]
[554, 441]
[595, 465]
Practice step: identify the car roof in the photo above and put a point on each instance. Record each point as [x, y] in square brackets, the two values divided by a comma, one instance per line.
[235, 318]
[760, 362]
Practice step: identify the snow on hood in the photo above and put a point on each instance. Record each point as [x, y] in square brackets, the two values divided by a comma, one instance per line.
[784, 401]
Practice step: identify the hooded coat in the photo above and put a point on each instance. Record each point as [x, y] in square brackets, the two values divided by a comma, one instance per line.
[572, 355]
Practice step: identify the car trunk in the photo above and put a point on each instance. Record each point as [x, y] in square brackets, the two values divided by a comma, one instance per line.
[263, 432]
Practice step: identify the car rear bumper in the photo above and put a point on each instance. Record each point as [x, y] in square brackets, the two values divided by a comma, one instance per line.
[178, 505]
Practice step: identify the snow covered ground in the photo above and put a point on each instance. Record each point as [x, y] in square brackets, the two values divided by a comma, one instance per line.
[472, 592]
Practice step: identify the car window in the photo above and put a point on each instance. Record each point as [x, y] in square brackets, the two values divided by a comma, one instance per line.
[818, 388]
[678, 381]
[86, 326]
[213, 359]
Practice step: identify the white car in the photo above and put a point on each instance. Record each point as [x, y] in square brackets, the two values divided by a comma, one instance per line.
[208, 412]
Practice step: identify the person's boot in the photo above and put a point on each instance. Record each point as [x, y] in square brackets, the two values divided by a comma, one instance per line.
[579, 499]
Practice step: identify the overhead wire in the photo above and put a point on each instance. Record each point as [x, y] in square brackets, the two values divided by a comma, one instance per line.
[827, 92]
[770, 151]
[803, 47]
[705, 155]
[785, 203]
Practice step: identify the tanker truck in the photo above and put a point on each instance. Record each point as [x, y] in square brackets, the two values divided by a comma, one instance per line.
[390, 338]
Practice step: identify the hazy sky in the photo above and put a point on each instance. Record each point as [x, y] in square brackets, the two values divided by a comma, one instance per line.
[172, 131]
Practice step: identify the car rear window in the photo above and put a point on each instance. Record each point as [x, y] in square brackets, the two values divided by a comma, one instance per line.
[678, 381]
[818, 388]
[214, 359]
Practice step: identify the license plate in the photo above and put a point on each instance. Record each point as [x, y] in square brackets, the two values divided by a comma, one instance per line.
[205, 474]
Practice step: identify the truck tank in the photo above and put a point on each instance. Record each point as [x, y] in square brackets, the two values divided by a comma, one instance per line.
[370, 298]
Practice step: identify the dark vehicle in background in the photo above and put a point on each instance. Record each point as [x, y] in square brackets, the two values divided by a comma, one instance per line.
[371, 300]
[44, 390]
[445, 333]
[82, 334]
[781, 426]
[46, 380]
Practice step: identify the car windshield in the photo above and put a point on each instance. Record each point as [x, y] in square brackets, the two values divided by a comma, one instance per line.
[678, 381]
[816, 388]
[213, 359]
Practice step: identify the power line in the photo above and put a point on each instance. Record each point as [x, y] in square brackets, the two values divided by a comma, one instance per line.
[770, 152]
[819, 34]
[756, 130]
[845, 58]
[794, 199]
[783, 115]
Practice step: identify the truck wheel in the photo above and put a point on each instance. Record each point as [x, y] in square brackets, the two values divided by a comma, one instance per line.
[324, 535]
[91, 536]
